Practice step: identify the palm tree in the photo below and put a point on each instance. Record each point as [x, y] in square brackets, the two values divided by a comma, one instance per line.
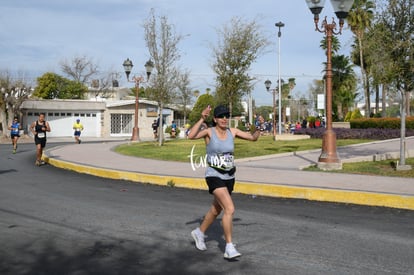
[343, 79]
[344, 84]
[336, 45]
[286, 89]
[359, 19]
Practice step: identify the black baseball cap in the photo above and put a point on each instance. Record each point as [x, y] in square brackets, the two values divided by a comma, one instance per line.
[221, 110]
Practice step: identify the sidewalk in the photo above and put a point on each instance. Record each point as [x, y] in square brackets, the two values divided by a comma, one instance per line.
[275, 175]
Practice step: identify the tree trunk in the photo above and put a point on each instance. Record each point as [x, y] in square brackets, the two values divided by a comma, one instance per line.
[368, 100]
[377, 98]
[231, 111]
[407, 103]
[340, 110]
[3, 122]
[384, 99]
[402, 130]
[364, 80]
[160, 126]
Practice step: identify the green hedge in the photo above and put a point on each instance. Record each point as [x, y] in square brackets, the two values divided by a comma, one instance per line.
[381, 123]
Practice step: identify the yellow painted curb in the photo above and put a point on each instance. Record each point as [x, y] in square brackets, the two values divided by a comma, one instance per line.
[327, 195]
[193, 183]
[249, 188]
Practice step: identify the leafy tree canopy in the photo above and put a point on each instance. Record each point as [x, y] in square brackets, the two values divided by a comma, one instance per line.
[51, 86]
[202, 102]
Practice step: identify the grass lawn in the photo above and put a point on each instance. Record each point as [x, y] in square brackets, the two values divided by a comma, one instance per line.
[377, 168]
[180, 150]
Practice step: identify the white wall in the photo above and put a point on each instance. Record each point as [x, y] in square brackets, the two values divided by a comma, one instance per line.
[61, 123]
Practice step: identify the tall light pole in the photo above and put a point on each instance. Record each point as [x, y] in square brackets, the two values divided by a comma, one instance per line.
[137, 80]
[279, 34]
[268, 84]
[329, 160]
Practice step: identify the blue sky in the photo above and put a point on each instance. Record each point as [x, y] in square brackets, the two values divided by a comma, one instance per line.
[37, 35]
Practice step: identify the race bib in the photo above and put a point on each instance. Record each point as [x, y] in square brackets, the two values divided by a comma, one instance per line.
[223, 161]
[41, 135]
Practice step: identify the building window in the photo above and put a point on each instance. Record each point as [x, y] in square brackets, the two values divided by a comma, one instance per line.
[121, 124]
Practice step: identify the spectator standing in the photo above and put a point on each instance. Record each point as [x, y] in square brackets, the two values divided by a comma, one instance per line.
[155, 128]
[317, 123]
[304, 123]
[173, 129]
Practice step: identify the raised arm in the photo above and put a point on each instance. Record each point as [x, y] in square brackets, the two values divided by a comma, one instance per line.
[246, 135]
[194, 132]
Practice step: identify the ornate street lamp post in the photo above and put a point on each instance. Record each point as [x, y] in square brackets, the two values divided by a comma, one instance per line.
[329, 160]
[137, 80]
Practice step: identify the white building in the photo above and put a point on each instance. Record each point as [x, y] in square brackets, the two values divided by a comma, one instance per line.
[100, 118]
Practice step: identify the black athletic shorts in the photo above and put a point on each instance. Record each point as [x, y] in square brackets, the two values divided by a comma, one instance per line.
[41, 141]
[214, 182]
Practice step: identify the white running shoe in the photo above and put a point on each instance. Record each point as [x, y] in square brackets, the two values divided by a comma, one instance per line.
[198, 237]
[231, 252]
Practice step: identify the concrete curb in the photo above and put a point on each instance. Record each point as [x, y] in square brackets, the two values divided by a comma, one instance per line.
[248, 188]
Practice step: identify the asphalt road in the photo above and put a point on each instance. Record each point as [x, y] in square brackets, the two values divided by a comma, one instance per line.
[54, 221]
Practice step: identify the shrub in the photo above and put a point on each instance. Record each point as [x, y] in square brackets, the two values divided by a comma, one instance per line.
[356, 114]
[242, 127]
[169, 128]
[348, 116]
[381, 123]
[343, 133]
[311, 121]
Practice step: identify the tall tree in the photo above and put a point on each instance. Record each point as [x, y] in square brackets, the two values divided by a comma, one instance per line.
[103, 87]
[379, 48]
[399, 20]
[201, 103]
[81, 69]
[184, 94]
[52, 86]
[343, 80]
[286, 89]
[162, 42]
[336, 45]
[317, 87]
[359, 19]
[13, 91]
[239, 45]
[344, 84]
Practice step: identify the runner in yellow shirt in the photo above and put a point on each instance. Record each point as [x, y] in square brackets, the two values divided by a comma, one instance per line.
[78, 127]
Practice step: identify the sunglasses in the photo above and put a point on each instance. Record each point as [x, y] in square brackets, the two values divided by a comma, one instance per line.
[223, 116]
